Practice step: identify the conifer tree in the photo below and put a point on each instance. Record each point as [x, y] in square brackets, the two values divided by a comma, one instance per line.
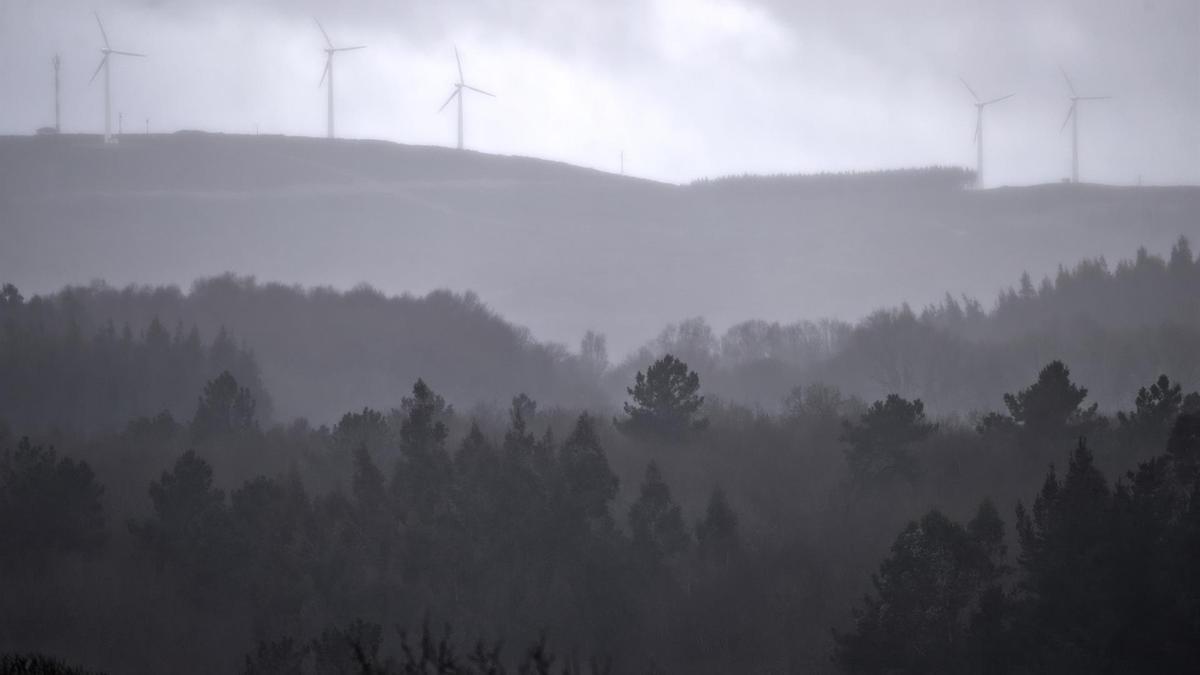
[666, 402]
[656, 521]
[717, 537]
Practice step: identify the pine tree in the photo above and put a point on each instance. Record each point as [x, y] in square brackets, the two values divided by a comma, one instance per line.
[665, 403]
[49, 506]
[1155, 410]
[937, 597]
[1066, 558]
[368, 427]
[591, 484]
[422, 482]
[189, 527]
[1050, 408]
[717, 537]
[881, 442]
[225, 408]
[656, 521]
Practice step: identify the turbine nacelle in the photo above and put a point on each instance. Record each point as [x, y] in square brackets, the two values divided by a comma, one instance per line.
[980, 104]
[107, 48]
[458, 89]
[984, 104]
[1075, 98]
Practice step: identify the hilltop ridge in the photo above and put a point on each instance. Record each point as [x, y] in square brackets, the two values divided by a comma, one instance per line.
[202, 160]
[557, 248]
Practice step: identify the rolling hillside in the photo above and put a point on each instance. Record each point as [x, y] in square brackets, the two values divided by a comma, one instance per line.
[557, 248]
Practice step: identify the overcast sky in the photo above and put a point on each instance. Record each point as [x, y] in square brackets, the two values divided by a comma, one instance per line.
[686, 88]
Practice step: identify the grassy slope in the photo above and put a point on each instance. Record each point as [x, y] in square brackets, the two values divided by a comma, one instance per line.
[551, 246]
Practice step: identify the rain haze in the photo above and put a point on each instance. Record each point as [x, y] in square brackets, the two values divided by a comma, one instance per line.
[670, 90]
[686, 88]
[586, 337]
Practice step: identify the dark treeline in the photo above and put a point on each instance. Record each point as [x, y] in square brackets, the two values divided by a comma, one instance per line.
[934, 178]
[1118, 327]
[1104, 582]
[61, 366]
[683, 535]
[323, 351]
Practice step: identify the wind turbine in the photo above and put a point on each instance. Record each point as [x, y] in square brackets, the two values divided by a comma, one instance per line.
[1073, 118]
[107, 51]
[330, 50]
[980, 104]
[57, 62]
[458, 93]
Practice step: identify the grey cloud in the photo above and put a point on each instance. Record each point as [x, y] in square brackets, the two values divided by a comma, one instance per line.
[688, 87]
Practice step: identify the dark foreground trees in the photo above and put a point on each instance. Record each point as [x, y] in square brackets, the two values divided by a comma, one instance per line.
[189, 523]
[62, 367]
[225, 408]
[37, 664]
[655, 521]
[729, 551]
[936, 602]
[1049, 411]
[1106, 579]
[881, 442]
[359, 648]
[49, 506]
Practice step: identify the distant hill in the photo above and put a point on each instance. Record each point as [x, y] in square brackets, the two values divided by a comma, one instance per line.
[69, 363]
[194, 161]
[934, 178]
[1118, 324]
[323, 352]
[556, 248]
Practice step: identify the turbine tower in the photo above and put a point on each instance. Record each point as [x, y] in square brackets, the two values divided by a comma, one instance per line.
[1073, 118]
[330, 50]
[57, 119]
[980, 104]
[108, 51]
[458, 93]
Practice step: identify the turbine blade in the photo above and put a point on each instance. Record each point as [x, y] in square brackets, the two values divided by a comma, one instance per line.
[458, 59]
[973, 94]
[113, 51]
[479, 91]
[98, 68]
[102, 33]
[322, 29]
[1070, 84]
[348, 49]
[1094, 98]
[978, 129]
[997, 100]
[325, 72]
[1070, 112]
[457, 92]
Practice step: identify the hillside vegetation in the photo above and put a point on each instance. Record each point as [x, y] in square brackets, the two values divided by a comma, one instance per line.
[558, 249]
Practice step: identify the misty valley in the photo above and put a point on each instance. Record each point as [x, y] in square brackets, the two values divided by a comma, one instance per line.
[1013, 488]
[668, 337]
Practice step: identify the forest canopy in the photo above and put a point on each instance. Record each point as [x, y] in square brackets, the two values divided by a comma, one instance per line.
[889, 510]
[320, 352]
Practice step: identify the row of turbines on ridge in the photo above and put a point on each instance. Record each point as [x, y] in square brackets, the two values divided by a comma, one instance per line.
[107, 52]
[461, 87]
[1072, 119]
